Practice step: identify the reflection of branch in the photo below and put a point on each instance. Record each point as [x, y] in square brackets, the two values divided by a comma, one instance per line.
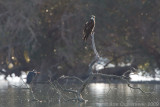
[67, 90]
[86, 82]
[33, 95]
[78, 97]
[122, 78]
[129, 85]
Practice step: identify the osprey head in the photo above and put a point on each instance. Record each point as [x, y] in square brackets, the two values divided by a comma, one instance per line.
[92, 17]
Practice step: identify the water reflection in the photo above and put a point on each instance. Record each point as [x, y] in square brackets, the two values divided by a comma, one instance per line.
[121, 95]
[98, 88]
[97, 94]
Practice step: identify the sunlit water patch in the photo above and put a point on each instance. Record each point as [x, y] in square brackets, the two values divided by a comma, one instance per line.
[97, 94]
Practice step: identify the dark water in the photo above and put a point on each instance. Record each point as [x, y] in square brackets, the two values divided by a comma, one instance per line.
[97, 94]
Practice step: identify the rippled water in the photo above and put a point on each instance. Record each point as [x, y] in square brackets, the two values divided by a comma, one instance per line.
[97, 94]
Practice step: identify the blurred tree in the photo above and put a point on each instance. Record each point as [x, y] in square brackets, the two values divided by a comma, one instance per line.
[47, 35]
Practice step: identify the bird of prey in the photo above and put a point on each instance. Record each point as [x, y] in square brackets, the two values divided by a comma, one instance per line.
[89, 28]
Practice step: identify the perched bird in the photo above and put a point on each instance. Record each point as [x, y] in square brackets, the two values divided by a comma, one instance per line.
[89, 28]
[31, 75]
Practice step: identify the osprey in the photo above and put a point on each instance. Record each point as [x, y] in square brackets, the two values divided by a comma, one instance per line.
[89, 28]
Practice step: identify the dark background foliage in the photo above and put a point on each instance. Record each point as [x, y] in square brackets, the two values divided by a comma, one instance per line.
[46, 35]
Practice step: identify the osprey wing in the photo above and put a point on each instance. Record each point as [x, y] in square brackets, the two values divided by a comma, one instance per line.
[88, 29]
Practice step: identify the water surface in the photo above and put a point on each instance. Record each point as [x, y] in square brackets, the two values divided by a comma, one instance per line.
[97, 94]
